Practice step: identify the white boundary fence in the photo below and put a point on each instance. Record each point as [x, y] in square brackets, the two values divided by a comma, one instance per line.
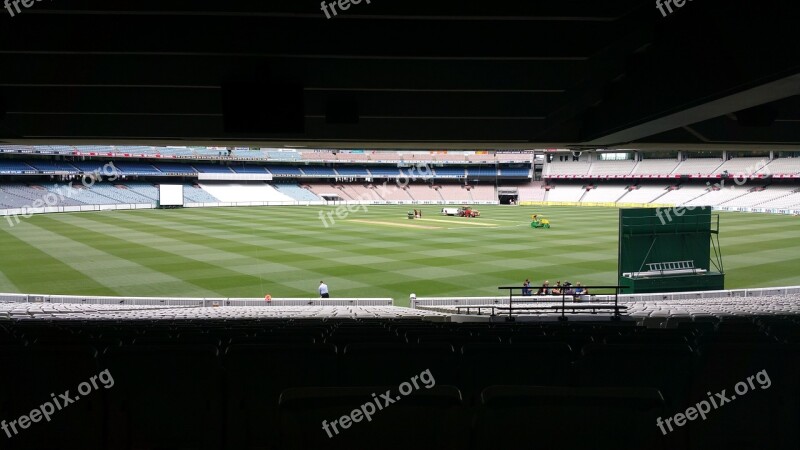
[21, 212]
[27, 212]
[193, 302]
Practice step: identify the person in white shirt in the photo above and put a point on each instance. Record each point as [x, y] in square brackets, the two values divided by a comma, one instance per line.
[323, 290]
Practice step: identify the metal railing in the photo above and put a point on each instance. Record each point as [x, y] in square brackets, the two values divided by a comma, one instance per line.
[563, 307]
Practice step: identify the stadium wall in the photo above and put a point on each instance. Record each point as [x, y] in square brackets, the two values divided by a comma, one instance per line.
[27, 212]
[192, 302]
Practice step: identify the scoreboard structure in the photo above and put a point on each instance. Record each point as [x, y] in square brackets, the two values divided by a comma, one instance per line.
[669, 250]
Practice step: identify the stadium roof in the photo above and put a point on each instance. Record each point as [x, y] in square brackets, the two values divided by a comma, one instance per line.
[403, 73]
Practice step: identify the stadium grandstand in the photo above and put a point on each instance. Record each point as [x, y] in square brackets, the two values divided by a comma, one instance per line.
[449, 225]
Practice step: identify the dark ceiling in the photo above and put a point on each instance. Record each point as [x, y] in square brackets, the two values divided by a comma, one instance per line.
[403, 73]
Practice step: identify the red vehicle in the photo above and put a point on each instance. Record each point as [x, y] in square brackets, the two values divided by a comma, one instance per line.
[467, 211]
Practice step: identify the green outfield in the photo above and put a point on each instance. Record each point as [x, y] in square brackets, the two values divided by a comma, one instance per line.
[286, 251]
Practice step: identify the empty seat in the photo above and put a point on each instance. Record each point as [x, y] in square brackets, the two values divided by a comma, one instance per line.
[569, 418]
[36, 375]
[256, 376]
[165, 397]
[379, 364]
[485, 365]
[426, 418]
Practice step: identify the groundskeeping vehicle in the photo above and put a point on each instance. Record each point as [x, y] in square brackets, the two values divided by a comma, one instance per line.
[464, 211]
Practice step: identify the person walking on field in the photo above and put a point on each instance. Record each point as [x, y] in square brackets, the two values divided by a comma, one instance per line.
[323, 290]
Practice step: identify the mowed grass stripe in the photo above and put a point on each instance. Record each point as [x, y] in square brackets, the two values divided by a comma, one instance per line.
[33, 271]
[204, 248]
[197, 278]
[362, 260]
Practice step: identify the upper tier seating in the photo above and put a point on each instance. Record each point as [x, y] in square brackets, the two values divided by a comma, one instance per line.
[702, 167]
[319, 171]
[782, 166]
[742, 167]
[53, 166]
[130, 168]
[248, 169]
[567, 168]
[11, 166]
[601, 168]
[514, 172]
[352, 171]
[175, 168]
[212, 168]
[655, 167]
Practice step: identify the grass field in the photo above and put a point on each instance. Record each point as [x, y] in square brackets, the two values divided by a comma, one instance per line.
[286, 251]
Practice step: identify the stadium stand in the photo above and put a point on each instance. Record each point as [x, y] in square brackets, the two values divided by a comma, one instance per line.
[52, 166]
[384, 171]
[147, 190]
[682, 194]
[424, 193]
[611, 168]
[565, 193]
[175, 168]
[82, 194]
[284, 170]
[489, 172]
[14, 167]
[243, 193]
[121, 193]
[483, 193]
[195, 194]
[782, 166]
[701, 167]
[656, 167]
[352, 171]
[129, 168]
[512, 172]
[717, 196]
[605, 193]
[212, 168]
[644, 194]
[296, 192]
[741, 167]
[248, 169]
[567, 168]
[533, 192]
[318, 171]
[454, 193]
